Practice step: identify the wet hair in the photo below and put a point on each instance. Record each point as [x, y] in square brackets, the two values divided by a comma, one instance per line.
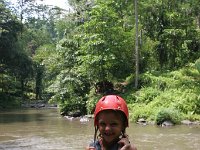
[123, 119]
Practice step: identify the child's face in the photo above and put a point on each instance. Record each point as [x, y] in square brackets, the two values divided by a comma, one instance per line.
[110, 125]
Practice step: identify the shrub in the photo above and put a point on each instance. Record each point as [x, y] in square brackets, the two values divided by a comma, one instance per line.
[188, 102]
[138, 111]
[168, 114]
[192, 117]
[7, 101]
[72, 105]
[197, 65]
[146, 95]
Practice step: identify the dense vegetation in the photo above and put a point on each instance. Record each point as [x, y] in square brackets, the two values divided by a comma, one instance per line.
[72, 58]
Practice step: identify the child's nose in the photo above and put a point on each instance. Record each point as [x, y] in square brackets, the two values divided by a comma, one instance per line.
[108, 127]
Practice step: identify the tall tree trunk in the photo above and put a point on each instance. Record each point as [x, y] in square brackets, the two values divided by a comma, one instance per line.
[136, 48]
[198, 21]
[22, 89]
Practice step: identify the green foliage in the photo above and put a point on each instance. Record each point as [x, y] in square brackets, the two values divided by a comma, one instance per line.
[8, 101]
[130, 79]
[47, 57]
[72, 105]
[96, 42]
[69, 90]
[15, 64]
[10, 27]
[189, 102]
[148, 53]
[168, 114]
[102, 38]
[176, 90]
[197, 64]
[146, 95]
[137, 111]
[192, 117]
[167, 23]
[92, 99]
[155, 80]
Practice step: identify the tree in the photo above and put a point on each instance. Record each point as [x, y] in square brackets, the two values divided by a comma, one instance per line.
[136, 47]
[169, 23]
[105, 43]
[15, 63]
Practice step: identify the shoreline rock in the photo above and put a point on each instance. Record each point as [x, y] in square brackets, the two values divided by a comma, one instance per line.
[167, 123]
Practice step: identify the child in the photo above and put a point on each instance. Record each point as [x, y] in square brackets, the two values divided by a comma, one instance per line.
[111, 120]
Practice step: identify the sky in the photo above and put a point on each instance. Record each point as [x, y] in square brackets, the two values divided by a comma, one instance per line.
[60, 3]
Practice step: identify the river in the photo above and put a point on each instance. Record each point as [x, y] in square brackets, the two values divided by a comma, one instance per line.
[45, 129]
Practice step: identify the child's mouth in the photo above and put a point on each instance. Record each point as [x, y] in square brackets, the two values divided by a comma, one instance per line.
[108, 134]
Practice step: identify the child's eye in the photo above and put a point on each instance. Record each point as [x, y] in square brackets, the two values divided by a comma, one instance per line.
[102, 124]
[114, 124]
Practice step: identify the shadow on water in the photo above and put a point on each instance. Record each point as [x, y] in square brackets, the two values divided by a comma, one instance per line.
[14, 116]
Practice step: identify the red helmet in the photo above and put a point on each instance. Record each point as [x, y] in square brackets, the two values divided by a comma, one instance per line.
[111, 102]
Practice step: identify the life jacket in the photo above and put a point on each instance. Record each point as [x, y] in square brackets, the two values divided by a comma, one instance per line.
[97, 146]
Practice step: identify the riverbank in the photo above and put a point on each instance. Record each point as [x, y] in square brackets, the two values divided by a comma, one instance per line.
[141, 121]
[38, 104]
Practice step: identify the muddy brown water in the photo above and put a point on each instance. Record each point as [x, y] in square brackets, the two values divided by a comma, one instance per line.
[45, 129]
